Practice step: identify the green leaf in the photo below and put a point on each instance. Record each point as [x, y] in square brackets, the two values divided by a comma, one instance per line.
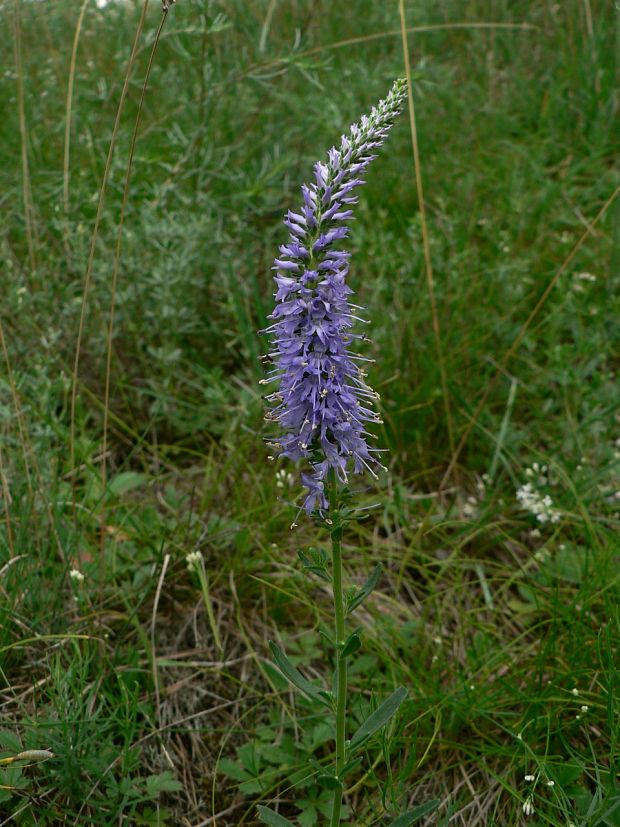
[251, 787]
[352, 644]
[315, 562]
[379, 717]
[357, 599]
[9, 742]
[232, 770]
[125, 482]
[611, 817]
[309, 817]
[249, 758]
[411, 816]
[164, 782]
[566, 774]
[294, 675]
[329, 782]
[272, 818]
[275, 676]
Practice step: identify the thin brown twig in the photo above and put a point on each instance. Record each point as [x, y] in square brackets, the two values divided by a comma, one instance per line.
[6, 495]
[160, 584]
[29, 218]
[424, 229]
[93, 242]
[115, 271]
[17, 405]
[69, 104]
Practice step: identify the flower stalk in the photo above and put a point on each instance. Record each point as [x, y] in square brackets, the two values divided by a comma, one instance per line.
[341, 662]
[322, 403]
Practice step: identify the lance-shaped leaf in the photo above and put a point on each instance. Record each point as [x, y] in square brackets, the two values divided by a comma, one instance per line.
[358, 598]
[272, 818]
[296, 678]
[411, 816]
[379, 718]
[352, 644]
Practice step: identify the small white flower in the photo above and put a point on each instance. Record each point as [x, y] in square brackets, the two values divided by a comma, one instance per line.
[551, 783]
[538, 505]
[529, 777]
[575, 691]
[535, 533]
[76, 576]
[469, 510]
[584, 708]
[284, 479]
[193, 560]
[528, 806]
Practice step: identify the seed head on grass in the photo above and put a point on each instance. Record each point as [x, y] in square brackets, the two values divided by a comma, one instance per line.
[323, 403]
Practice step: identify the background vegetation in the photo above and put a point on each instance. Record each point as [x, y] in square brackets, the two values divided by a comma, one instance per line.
[504, 629]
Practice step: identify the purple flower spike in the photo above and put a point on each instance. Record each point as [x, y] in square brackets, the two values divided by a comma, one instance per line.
[322, 402]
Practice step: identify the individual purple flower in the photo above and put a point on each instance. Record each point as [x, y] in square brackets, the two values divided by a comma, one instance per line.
[323, 403]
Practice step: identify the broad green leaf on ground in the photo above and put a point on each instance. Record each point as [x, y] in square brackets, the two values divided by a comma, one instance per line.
[125, 482]
[164, 782]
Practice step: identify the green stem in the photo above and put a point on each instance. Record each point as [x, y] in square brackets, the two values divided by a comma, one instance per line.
[341, 696]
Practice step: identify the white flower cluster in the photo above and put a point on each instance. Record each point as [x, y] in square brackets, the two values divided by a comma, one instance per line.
[193, 560]
[76, 576]
[541, 505]
[284, 479]
[538, 504]
[528, 806]
[538, 473]
[579, 279]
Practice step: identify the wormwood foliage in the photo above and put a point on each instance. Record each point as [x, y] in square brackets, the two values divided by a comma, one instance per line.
[503, 627]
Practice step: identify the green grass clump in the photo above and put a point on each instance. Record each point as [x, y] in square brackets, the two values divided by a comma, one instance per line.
[503, 629]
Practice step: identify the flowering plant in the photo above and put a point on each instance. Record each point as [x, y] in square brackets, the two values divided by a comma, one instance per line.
[322, 405]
